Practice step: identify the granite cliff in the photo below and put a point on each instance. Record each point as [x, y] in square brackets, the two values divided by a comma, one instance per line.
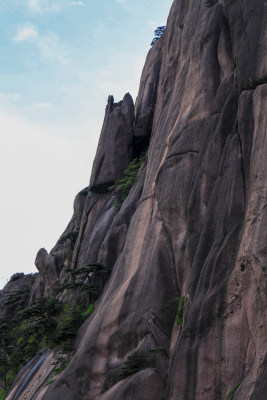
[185, 302]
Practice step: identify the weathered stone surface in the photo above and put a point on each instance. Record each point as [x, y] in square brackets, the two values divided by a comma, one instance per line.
[17, 282]
[31, 382]
[147, 97]
[51, 265]
[189, 224]
[247, 24]
[114, 241]
[145, 385]
[16, 276]
[114, 150]
[193, 225]
[148, 89]
[143, 324]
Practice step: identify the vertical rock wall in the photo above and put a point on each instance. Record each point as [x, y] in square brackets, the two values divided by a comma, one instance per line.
[193, 225]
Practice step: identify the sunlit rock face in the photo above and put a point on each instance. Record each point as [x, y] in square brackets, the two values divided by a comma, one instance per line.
[193, 226]
[33, 379]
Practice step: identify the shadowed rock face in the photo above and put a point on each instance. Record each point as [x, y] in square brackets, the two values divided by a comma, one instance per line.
[19, 285]
[147, 97]
[192, 227]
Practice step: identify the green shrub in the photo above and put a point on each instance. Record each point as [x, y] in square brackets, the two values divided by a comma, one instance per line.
[72, 235]
[157, 350]
[61, 368]
[50, 381]
[153, 354]
[93, 270]
[168, 96]
[30, 330]
[180, 311]
[68, 323]
[88, 288]
[10, 376]
[46, 323]
[83, 280]
[134, 363]
[88, 312]
[232, 391]
[3, 394]
[17, 298]
[123, 186]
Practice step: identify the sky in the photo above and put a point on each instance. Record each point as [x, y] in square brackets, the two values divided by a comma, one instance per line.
[59, 61]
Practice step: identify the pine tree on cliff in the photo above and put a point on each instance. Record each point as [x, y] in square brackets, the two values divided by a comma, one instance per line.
[158, 33]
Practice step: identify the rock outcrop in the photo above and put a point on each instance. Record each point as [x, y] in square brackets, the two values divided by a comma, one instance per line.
[51, 266]
[114, 150]
[186, 300]
[16, 293]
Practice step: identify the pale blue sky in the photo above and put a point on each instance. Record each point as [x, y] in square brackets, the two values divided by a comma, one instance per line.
[59, 61]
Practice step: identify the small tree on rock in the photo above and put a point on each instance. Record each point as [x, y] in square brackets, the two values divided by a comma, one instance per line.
[158, 33]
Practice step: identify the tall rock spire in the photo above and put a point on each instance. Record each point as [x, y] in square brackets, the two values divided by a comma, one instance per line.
[114, 151]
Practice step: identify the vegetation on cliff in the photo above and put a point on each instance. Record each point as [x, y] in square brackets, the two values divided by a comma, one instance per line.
[123, 186]
[46, 323]
[158, 33]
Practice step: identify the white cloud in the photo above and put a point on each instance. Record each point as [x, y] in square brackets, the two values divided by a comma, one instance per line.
[41, 6]
[120, 1]
[34, 5]
[48, 44]
[26, 32]
[77, 3]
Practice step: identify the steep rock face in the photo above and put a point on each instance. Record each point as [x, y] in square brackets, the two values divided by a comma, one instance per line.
[114, 150]
[190, 233]
[147, 97]
[33, 379]
[51, 265]
[94, 213]
[193, 226]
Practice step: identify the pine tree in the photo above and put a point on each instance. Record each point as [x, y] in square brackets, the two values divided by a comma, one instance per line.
[158, 33]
